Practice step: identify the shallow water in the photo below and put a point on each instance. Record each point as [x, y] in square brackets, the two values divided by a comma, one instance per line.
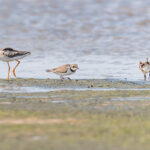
[41, 89]
[43, 86]
[106, 38]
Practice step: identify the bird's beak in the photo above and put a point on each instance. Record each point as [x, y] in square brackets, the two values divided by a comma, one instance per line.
[77, 68]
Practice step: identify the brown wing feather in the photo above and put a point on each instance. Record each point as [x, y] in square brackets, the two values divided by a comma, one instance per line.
[61, 69]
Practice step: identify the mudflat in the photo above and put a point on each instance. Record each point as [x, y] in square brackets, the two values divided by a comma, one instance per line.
[78, 114]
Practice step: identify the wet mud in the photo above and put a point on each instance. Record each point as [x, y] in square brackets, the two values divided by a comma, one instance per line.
[100, 114]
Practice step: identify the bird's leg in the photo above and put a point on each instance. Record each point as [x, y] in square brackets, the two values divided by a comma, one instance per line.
[16, 67]
[69, 78]
[145, 77]
[8, 70]
[61, 77]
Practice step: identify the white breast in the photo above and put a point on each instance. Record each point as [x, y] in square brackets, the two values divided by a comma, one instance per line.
[69, 72]
[7, 59]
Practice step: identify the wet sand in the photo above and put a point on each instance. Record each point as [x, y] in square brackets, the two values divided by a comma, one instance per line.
[77, 114]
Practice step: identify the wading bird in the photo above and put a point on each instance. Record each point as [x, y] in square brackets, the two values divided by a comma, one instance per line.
[9, 54]
[64, 70]
[145, 68]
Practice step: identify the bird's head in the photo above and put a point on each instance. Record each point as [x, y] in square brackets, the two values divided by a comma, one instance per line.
[74, 67]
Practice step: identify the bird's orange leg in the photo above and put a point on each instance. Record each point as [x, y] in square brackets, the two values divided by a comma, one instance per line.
[8, 70]
[15, 68]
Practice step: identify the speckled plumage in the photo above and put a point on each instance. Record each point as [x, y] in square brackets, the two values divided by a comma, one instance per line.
[9, 54]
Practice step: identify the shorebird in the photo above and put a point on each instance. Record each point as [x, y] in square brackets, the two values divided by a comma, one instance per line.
[64, 70]
[9, 54]
[145, 68]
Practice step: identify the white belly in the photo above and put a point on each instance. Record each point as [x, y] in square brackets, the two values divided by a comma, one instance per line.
[69, 72]
[7, 59]
[146, 68]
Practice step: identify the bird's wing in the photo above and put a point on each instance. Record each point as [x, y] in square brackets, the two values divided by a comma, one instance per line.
[14, 53]
[61, 69]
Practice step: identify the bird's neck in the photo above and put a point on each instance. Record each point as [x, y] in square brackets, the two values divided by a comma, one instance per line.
[72, 70]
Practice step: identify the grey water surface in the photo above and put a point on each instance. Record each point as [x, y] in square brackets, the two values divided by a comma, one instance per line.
[107, 38]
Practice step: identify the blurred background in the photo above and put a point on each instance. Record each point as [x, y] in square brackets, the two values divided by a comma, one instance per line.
[107, 38]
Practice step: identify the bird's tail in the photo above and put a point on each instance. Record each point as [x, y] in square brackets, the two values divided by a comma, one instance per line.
[49, 70]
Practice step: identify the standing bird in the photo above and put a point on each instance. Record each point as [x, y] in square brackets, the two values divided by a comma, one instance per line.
[64, 70]
[9, 54]
[145, 68]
